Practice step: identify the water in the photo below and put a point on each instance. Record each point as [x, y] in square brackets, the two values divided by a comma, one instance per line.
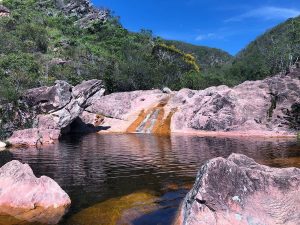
[95, 168]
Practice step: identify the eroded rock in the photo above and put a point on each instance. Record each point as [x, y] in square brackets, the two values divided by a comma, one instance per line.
[64, 117]
[60, 104]
[29, 198]
[238, 190]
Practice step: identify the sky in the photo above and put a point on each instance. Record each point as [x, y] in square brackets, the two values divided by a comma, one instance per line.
[226, 24]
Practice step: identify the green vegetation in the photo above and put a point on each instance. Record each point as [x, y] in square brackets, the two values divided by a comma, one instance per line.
[273, 52]
[40, 43]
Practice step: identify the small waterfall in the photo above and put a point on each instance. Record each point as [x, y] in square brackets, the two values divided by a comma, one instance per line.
[152, 121]
[148, 123]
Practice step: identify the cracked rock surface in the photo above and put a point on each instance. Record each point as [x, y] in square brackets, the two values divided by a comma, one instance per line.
[237, 190]
[55, 107]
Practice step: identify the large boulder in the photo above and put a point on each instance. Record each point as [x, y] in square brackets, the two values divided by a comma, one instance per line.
[254, 106]
[53, 109]
[49, 99]
[27, 197]
[65, 116]
[238, 190]
[34, 137]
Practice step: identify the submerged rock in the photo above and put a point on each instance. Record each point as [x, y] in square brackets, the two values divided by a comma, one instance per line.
[29, 198]
[238, 190]
[116, 211]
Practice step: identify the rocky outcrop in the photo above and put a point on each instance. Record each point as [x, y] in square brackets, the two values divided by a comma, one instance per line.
[62, 118]
[85, 12]
[29, 198]
[54, 109]
[237, 190]
[121, 110]
[15, 116]
[4, 11]
[267, 107]
[49, 99]
[253, 107]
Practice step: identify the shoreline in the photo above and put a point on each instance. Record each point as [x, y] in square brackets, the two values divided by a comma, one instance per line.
[242, 134]
[229, 134]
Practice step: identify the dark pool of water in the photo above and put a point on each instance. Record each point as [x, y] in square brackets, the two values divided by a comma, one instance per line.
[95, 168]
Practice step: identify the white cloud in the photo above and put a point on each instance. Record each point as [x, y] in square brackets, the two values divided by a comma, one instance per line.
[266, 13]
[208, 36]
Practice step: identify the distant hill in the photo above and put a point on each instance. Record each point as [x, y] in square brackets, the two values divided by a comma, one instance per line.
[273, 52]
[206, 57]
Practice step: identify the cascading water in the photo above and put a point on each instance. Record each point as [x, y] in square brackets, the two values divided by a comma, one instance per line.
[153, 121]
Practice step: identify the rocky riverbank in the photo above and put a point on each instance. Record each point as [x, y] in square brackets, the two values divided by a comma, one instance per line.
[237, 190]
[269, 107]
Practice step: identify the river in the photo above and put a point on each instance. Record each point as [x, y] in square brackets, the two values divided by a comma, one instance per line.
[96, 168]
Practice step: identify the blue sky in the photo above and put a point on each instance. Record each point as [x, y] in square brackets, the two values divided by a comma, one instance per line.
[226, 24]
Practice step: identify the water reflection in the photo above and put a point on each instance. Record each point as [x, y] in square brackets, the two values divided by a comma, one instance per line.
[95, 168]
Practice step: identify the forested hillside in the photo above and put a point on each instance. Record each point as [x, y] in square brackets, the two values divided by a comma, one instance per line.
[271, 53]
[205, 56]
[42, 41]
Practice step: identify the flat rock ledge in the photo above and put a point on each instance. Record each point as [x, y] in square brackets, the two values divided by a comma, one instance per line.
[28, 198]
[237, 190]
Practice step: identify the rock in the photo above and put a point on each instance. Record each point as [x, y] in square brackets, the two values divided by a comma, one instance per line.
[87, 89]
[2, 145]
[15, 116]
[121, 110]
[85, 12]
[64, 117]
[33, 137]
[4, 11]
[268, 105]
[167, 90]
[49, 99]
[238, 190]
[27, 197]
[61, 105]
[118, 105]
[120, 210]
